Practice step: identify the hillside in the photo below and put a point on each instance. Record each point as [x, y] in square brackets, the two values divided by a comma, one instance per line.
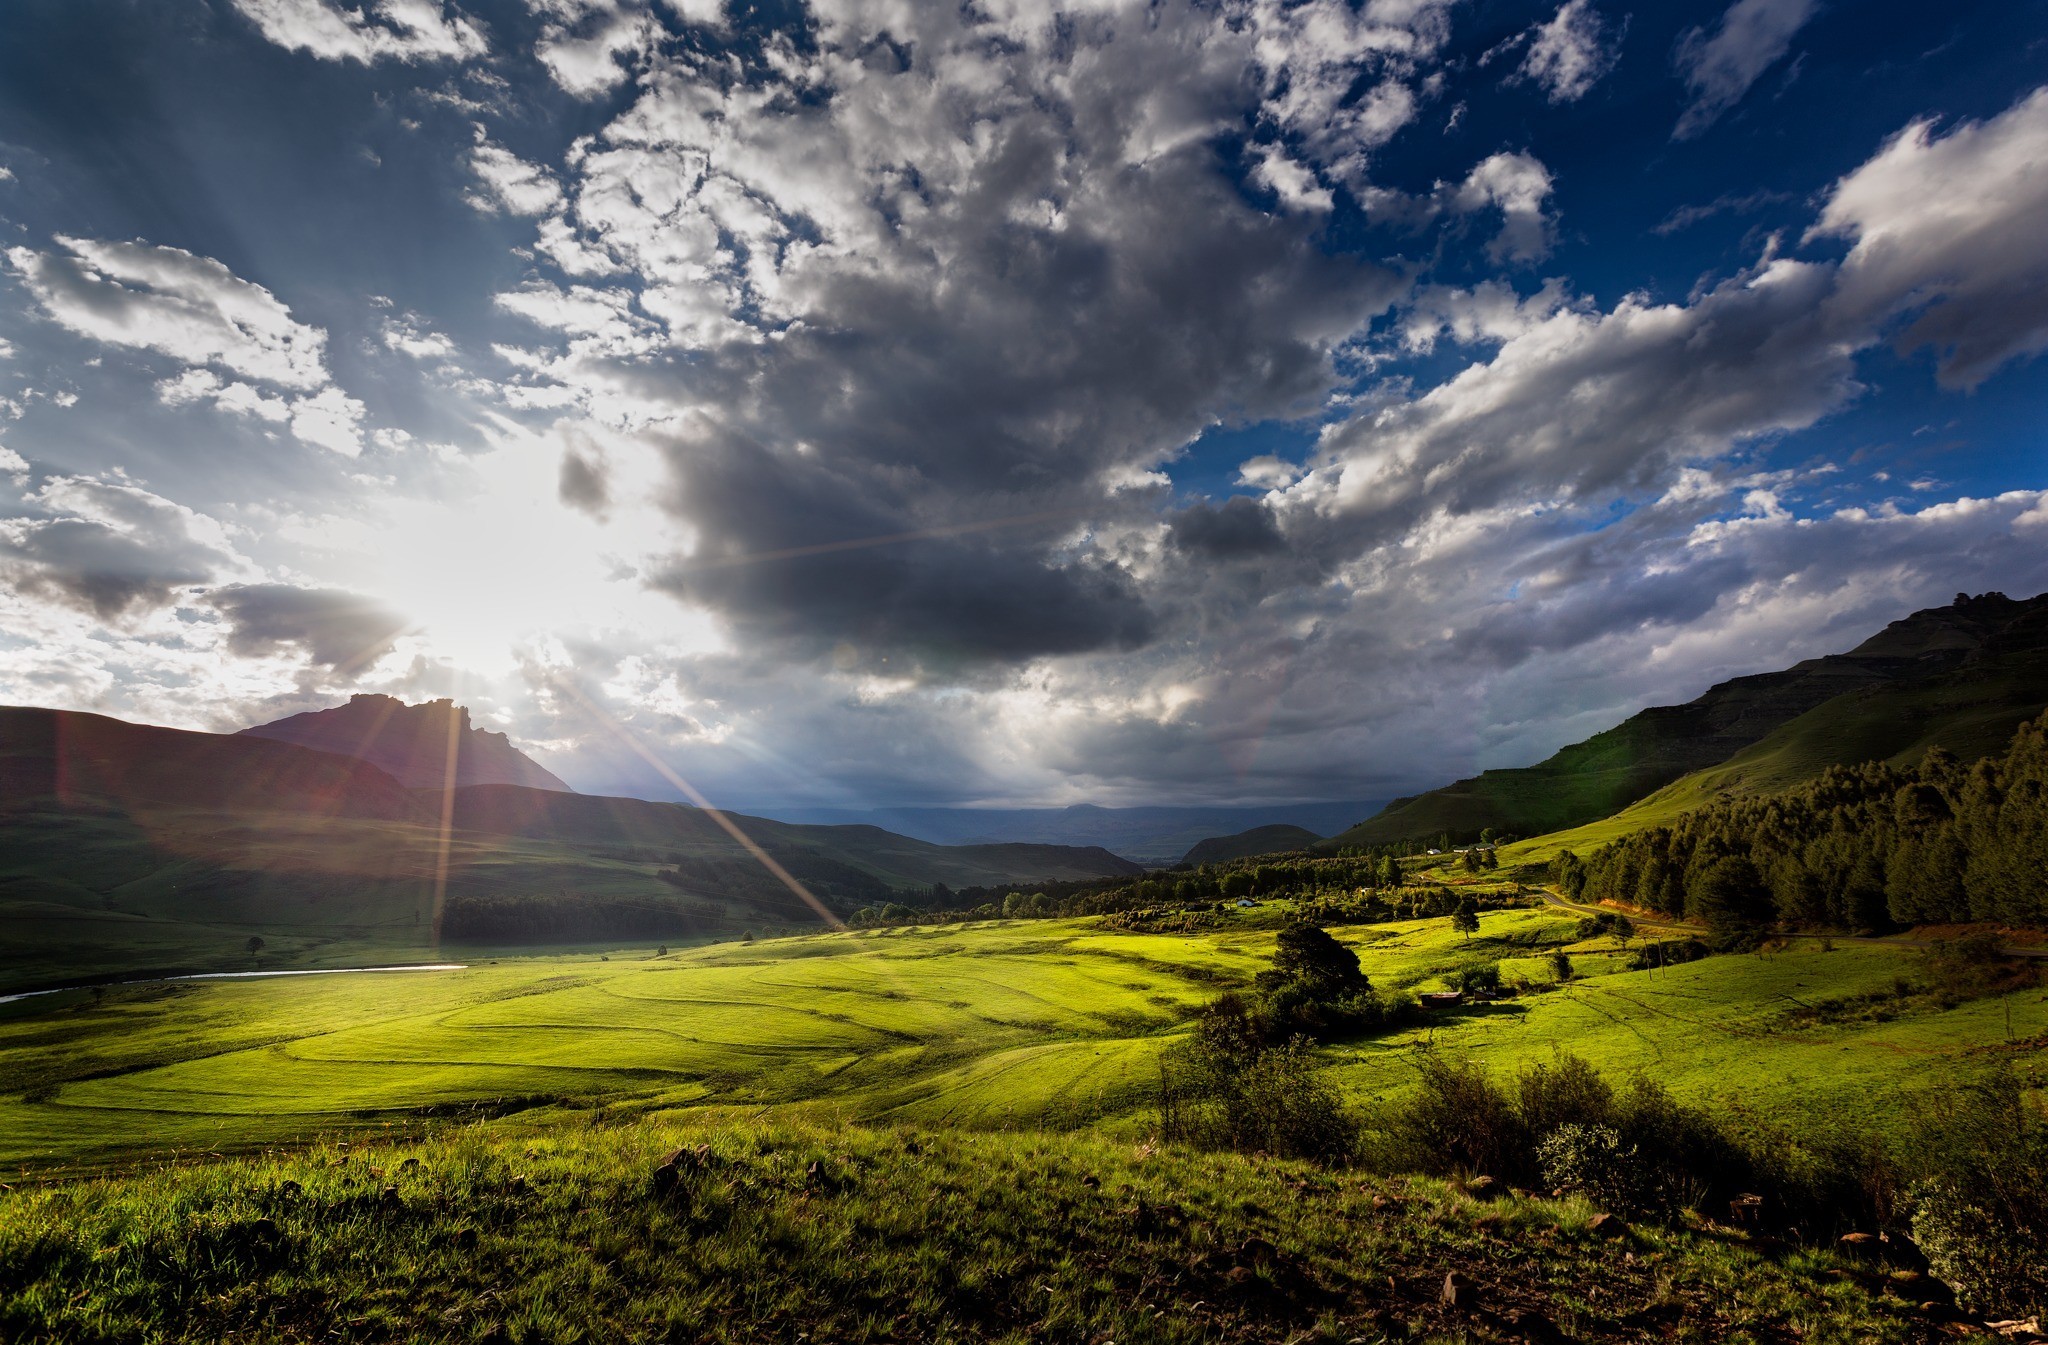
[927, 1123]
[1158, 835]
[1970, 713]
[412, 743]
[1271, 840]
[1594, 779]
[793, 1230]
[127, 848]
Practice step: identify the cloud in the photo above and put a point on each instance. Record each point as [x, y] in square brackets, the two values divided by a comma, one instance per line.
[508, 183]
[1519, 186]
[410, 335]
[1491, 311]
[1236, 529]
[109, 548]
[171, 301]
[996, 274]
[1719, 68]
[1294, 184]
[329, 419]
[1582, 405]
[1569, 54]
[1739, 203]
[1951, 227]
[590, 45]
[338, 630]
[401, 30]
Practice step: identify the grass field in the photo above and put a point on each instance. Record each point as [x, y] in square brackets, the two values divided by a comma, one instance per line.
[786, 1230]
[992, 1025]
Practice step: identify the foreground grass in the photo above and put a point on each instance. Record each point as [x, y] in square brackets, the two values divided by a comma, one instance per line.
[788, 1231]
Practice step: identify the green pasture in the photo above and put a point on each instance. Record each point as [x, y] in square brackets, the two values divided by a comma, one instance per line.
[993, 1025]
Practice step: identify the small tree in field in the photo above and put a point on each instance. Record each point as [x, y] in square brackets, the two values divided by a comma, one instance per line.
[255, 945]
[1466, 921]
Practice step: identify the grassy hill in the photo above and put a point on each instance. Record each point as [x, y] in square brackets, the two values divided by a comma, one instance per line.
[1272, 840]
[1970, 712]
[127, 849]
[938, 1132]
[788, 1230]
[1019, 1023]
[1588, 781]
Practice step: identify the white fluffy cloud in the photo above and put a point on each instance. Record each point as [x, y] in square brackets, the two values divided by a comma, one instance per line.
[401, 30]
[1569, 54]
[1518, 185]
[1719, 67]
[168, 300]
[1952, 226]
[198, 312]
[508, 183]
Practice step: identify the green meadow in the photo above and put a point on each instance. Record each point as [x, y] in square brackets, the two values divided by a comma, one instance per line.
[1041, 1024]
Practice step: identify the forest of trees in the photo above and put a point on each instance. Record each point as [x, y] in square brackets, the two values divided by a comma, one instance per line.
[1365, 885]
[1861, 847]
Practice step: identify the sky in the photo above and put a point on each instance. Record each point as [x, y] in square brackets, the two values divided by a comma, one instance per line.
[878, 402]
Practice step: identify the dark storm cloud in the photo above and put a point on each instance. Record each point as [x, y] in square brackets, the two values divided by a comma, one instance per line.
[109, 548]
[1235, 529]
[812, 557]
[338, 630]
[583, 484]
[1021, 304]
[94, 568]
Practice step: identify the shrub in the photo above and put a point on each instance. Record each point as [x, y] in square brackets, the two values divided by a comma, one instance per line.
[1980, 1208]
[1458, 1118]
[1483, 979]
[1594, 1161]
[1995, 1268]
[1227, 1088]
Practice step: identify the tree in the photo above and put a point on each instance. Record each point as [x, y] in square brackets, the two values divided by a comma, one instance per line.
[1470, 861]
[1730, 894]
[1480, 980]
[1308, 959]
[1560, 965]
[1466, 921]
[1390, 871]
[1491, 859]
[255, 945]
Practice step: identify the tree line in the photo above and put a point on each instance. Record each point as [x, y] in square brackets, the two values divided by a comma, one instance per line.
[1869, 847]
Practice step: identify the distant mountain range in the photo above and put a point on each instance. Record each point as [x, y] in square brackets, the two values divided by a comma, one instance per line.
[127, 848]
[1961, 676]
[420, 746]
[1150, 835]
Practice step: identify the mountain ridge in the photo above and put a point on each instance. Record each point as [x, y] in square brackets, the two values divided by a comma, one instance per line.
[413, 743]
[1606, 773]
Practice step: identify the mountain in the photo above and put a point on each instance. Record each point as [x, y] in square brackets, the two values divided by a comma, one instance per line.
[1971, 639]
[1155, 835]
[126, 848]
[72, 759]
[413, 743]
[1274, 840]
[1970, 712]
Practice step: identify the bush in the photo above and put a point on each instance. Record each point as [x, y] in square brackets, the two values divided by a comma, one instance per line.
[1480, 980]
[1995, 1268]
[1457, 1119]
[1593, 1160]
[1227, 1088]
[1980, 1206]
